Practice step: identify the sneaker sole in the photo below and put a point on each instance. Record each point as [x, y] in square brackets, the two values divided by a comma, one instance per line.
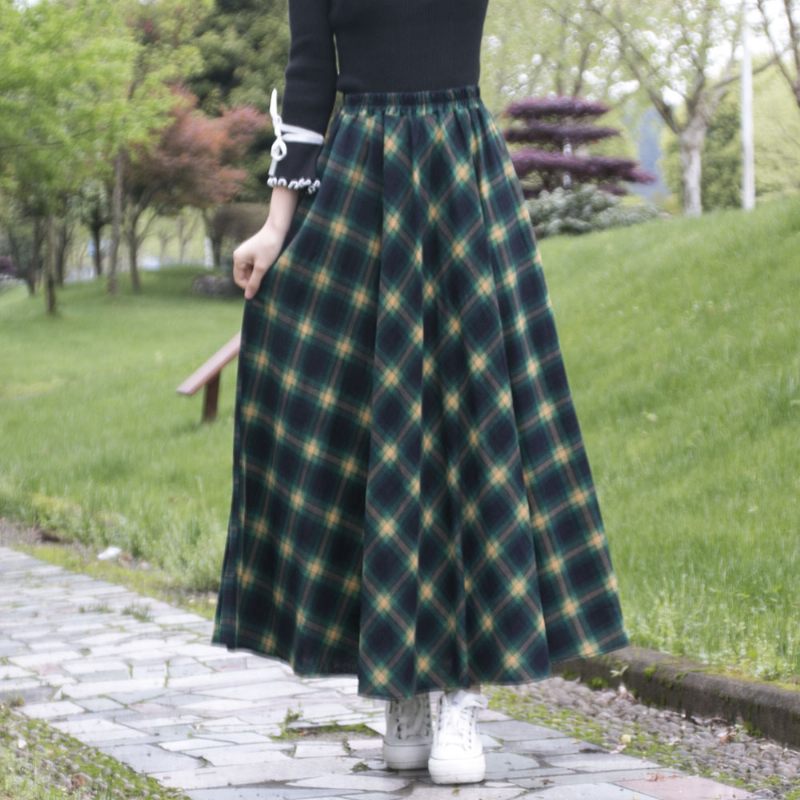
[472, 770]
[406, 757]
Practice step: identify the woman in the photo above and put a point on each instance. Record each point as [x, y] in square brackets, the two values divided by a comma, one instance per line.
[412, 502]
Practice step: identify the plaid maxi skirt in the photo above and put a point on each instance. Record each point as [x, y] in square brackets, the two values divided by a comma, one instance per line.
[412, 502]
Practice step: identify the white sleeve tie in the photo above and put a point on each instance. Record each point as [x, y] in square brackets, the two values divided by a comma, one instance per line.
[288, 133]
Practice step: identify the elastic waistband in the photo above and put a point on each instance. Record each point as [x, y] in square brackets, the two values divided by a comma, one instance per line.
[419, 101]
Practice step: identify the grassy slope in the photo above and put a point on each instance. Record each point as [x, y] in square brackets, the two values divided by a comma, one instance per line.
[682, 343]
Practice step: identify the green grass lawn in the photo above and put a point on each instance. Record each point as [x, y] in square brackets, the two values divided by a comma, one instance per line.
[96, 441]
[682, 343]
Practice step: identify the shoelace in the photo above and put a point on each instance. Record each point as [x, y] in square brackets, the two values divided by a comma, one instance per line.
[460, 717]
[288, 133]
[413, 719]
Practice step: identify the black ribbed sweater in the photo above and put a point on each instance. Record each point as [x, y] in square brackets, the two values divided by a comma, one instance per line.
[380, 45]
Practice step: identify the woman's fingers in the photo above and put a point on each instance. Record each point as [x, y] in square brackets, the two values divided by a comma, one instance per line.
[259, 268]
[252, 259]
[240, 277]
[242, 267]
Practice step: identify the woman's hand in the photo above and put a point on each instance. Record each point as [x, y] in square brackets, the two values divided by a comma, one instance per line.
[253, 257]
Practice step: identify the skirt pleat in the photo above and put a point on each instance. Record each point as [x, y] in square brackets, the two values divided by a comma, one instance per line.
[412, 501]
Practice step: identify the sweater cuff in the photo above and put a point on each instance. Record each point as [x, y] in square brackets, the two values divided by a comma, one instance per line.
[294, 153]
[297, 169]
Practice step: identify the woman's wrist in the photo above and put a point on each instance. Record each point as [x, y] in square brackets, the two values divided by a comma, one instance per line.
[275, 227]
[281, 210]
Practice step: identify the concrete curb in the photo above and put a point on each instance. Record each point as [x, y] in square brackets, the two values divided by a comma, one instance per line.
[682, 685]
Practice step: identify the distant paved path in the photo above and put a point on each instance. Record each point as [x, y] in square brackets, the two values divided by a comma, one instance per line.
[151, 691]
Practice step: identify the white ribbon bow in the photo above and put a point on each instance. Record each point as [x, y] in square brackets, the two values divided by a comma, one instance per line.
[288, 133]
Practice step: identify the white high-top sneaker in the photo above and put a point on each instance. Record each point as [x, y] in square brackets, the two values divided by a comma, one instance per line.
[407, 743]
[457, 751]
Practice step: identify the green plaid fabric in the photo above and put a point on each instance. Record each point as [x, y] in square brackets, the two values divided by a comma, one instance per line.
[412, 501]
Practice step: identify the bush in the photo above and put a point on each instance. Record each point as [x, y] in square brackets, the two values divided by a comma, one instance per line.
[583, 210]
[7, 267]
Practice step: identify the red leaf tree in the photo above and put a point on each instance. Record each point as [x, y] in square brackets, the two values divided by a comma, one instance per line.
[556, 126]
[195, 162]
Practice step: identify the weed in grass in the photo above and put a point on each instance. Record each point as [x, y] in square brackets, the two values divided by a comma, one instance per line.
[290, 717]
[138, 611]
[334, 730]
[99, 608]
[649, 671]
[752, 729]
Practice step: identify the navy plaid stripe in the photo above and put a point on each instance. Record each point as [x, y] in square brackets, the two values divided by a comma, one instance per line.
[412, 501]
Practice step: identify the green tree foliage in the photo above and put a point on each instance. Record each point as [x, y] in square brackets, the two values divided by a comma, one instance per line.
[64, 68]
[722, 157]
[244, 46]
[63, 71]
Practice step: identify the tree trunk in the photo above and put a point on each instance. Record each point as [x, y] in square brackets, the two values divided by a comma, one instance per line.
[186, 229]
[35, 265]
[50, 272]
[133, 252]
[116, 224]
[164, 240]
[97, 233]
[215, 237]
[691, 148]
[62, 246]
[216, 250]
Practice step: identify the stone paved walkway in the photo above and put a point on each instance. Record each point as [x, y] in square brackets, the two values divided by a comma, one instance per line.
[138, 679]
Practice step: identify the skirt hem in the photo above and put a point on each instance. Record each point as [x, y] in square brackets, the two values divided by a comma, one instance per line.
[351, 669]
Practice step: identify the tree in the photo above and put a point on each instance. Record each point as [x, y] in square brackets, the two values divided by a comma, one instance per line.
[244, 46]
[777, 146]
[722, 159]
[543, 47]
[194, 163]
[63, 66]
[774, 15]
[24, 236]
[668, 48]
[165, 33]
[557, 125]
[94, 209]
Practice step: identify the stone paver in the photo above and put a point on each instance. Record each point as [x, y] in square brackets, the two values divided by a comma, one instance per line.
[149, 689]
